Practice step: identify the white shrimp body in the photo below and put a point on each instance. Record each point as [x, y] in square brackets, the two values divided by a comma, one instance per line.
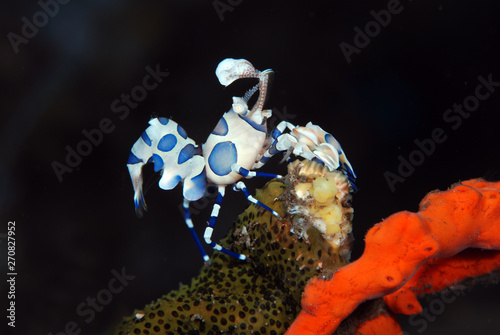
[241, 143]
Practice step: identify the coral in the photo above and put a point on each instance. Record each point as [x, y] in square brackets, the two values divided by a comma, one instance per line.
[262, 295]
[406, 255]
[465, 216]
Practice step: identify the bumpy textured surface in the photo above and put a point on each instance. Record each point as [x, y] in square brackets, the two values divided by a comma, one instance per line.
[448, 222]
[262, 295]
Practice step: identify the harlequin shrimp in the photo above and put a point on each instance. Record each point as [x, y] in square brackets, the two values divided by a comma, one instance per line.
[238, 145]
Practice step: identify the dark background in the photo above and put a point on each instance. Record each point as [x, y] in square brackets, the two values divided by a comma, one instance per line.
[72, 233]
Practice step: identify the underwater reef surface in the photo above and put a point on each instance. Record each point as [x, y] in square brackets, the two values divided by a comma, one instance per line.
[262, 295]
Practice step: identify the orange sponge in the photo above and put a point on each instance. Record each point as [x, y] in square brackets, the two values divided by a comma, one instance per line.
[465, 216]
